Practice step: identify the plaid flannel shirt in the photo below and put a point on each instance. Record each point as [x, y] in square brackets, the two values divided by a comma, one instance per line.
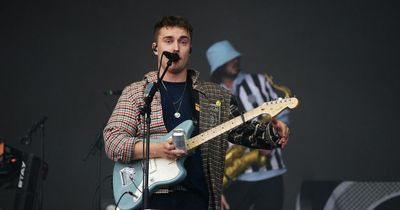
[125, 128]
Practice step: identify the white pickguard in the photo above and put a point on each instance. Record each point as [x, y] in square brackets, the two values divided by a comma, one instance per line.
[160, 171]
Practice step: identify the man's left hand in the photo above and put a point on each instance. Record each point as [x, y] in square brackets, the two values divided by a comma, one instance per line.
[283, 131]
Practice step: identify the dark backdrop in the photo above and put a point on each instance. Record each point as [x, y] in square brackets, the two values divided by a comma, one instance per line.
[339, 57]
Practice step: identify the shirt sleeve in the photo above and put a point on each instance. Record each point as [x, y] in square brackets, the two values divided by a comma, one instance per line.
[121, 130]
[252, 133]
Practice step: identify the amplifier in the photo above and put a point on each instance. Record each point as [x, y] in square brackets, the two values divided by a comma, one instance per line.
[19, 176]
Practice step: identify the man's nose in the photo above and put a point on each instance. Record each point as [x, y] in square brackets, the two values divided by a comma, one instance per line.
[176, 46]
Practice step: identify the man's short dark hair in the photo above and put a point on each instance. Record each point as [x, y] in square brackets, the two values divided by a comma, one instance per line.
[173, 21]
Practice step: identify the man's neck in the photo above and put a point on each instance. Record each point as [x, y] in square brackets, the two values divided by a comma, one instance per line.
[175, 76]
[228, 82]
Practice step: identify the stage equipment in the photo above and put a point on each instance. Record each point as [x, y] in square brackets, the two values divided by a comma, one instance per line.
[20, 174]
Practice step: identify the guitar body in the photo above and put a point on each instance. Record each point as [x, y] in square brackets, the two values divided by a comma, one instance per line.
[162, 172]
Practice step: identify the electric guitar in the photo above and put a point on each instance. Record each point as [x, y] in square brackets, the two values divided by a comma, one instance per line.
[128, 178]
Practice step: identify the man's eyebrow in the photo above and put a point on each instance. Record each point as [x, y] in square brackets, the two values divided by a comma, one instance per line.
[184, 37]
[181, 38]
[168, 37]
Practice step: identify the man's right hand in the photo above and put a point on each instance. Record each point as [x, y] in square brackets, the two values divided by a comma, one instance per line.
[168, 150]
[165, 149]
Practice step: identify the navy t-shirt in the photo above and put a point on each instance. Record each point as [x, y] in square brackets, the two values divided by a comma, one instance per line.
[179, 97]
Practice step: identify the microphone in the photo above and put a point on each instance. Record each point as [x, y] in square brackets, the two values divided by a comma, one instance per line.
[173, 57]
[113, 92]
[26, 139]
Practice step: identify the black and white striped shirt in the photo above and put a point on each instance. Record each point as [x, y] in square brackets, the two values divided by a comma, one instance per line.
[251, 90]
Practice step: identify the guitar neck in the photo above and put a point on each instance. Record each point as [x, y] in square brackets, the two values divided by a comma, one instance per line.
[231, 124]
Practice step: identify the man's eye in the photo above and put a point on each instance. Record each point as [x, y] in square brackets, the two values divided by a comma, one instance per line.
[184, 41]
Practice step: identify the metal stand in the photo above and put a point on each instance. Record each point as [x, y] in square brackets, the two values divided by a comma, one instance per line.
[146, 112]
[43, 168]
[97, 146]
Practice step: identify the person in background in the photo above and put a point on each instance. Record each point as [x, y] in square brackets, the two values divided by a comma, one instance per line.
[259, 184]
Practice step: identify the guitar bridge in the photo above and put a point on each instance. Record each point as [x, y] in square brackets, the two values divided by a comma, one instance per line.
[127, 176]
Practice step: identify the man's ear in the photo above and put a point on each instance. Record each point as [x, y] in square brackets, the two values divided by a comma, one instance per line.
[154, 47]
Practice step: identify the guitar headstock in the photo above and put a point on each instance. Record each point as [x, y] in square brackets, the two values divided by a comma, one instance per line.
[275, 107]
[291, 102]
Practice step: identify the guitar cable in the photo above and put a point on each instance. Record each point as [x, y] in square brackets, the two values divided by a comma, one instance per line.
[119, 200]
[133, 182]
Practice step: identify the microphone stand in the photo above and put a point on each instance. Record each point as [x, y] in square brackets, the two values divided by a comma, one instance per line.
[146, 111]
[97, 147]
[43, 165]
[26, 140]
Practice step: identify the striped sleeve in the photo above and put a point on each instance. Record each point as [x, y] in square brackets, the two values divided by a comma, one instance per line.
[255, 90]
